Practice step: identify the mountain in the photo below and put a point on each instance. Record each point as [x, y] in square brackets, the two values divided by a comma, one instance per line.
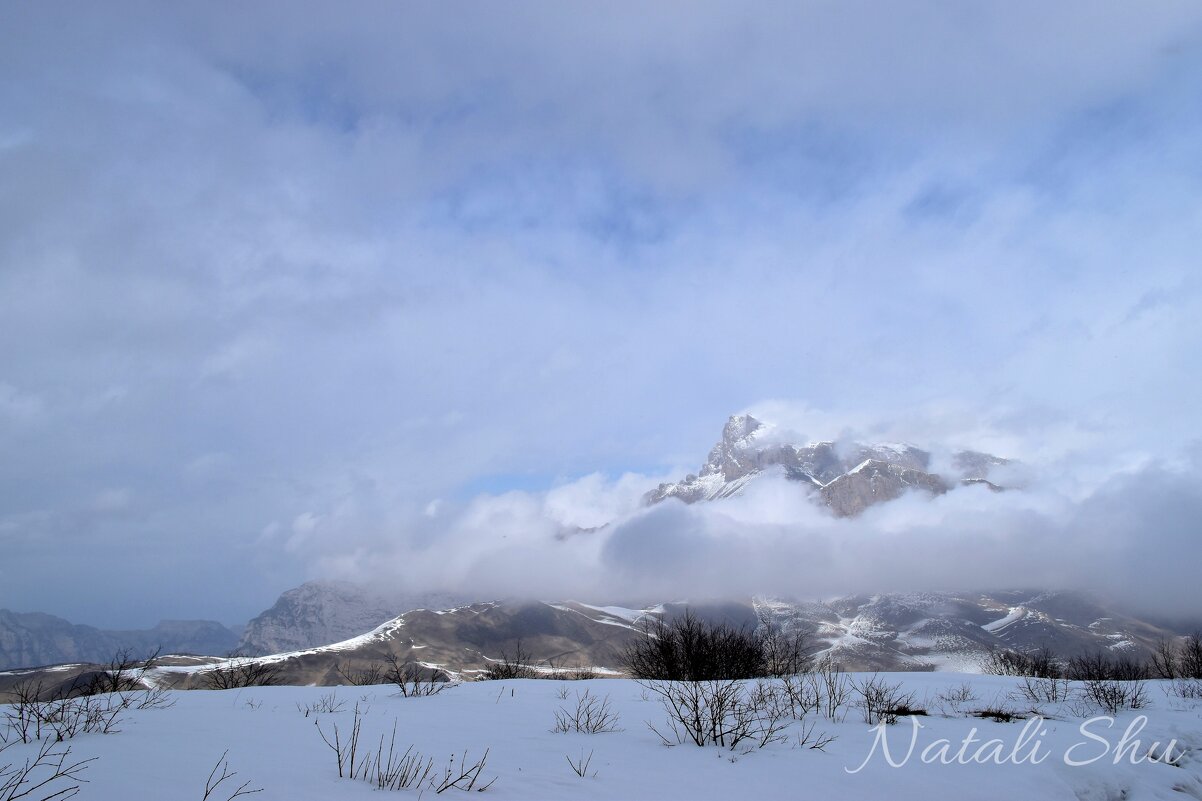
[846, 479]
[321, 612]
[34, 638]
[956, 631]
[900, 631]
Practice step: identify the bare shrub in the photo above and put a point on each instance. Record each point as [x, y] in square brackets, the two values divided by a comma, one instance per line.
[1186, 689]
[123, 673]
[833, 688]
[1099, 667]
[369, 676]
[1190, 657]
[1043, 690]
[802, 694]
[31, 717]
[1180, 661]
[462, 776]
[389, 769]
[49, 774]
[558, 671]
[1042, 664]
[954, 698]
[1111, 695]
[580, 765]
[213, 789]
[999, 714]
[592, 715]
[687, 648]
[786, 653]
[1163, 662]
[413, 680]
[814, 741]
[326, 704]
[883, 702]
[240, 671]
[724, 713]
[515, 666]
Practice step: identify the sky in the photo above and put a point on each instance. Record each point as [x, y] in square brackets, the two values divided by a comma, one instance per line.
[397, 291]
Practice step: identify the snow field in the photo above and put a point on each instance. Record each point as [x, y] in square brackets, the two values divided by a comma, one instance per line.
[168, 753]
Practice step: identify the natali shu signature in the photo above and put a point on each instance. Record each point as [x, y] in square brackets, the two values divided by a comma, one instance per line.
[1027, 748]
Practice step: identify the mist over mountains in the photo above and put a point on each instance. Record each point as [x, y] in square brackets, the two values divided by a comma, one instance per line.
[889, 554]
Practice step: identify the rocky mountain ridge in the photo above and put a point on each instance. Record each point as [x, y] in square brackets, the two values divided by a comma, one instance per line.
[846, 479]
[321, 612]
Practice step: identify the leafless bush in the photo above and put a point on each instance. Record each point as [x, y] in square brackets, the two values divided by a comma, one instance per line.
[517, 666]
[241, 671]
[30, 717]
[389, 769]
[462, 776]
[1180, 661]
[1043, 691]
[326, 704]
[1186, 689]
[592, 715]
[883, 702]
[214, 782]
[124, 673]
[1190, 657]
[49, 774]
[724, 713]
[414, 680]
[1110, 695]
[690, 649]
[1042, 664]
[802, 693]
[999, 714]
[815, 741]
[346, 751]
[558, 671]
[833, 688]
[954, 698]
[786, 653]
[580, 765]
[369, 676]
[1100, 667]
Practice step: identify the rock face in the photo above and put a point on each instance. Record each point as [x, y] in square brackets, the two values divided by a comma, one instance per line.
[315, 613]
[34, 638]
[847, 480]
[875, 481]
[321, 612]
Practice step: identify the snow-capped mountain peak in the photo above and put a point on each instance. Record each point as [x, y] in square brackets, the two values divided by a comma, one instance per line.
[846, 479]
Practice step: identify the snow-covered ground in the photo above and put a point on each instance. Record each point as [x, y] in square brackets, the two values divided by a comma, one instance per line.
[169, 753]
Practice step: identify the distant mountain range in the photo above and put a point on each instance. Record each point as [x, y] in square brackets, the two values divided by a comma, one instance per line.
[33, 638]
[900, 631]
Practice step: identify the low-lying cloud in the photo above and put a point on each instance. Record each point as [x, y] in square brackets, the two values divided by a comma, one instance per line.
[1130, 536]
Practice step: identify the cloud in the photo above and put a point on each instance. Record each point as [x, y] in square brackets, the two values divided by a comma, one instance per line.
[342, 264]
[1126, 538]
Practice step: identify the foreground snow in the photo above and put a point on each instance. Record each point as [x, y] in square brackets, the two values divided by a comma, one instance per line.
[169, 753]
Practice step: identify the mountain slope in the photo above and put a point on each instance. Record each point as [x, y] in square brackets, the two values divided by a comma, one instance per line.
[321, 612]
